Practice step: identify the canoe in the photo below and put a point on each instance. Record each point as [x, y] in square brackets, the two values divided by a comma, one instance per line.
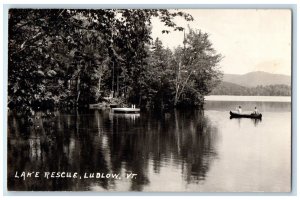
[238, 115]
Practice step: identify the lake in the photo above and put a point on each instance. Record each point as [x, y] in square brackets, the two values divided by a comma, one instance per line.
[181, 150]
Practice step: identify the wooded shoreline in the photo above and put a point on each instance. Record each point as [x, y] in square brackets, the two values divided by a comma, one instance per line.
[67, 58]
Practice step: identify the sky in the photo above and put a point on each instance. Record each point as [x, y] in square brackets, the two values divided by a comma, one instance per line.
[249, 39]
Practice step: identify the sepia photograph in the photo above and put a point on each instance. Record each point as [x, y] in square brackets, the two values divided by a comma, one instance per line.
[149, 100]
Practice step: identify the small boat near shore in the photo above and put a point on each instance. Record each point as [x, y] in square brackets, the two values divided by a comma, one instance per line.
[102, 106]
[239, 115]
[125, 110]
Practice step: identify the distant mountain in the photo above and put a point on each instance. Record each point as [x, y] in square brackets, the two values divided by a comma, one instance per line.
[254, 79]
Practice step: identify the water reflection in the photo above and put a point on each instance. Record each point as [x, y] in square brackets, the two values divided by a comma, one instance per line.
[255, 121]
[99, 141]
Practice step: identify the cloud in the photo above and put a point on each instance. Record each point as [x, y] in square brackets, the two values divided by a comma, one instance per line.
[250, 39]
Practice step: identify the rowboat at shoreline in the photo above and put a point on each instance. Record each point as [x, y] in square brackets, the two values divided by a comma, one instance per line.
[240, 115]
[125, 110]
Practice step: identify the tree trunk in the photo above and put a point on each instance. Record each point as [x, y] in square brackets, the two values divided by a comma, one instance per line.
[162, 102]
[183, 86]
[177, 84]
[100, 79]
[140, 100]
[69, 84]
[117, 85]
[78, 90]
[113, 80]
[99, 84]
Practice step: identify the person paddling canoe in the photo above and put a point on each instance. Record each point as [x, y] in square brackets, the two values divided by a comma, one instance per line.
[255, 111]
[239, 110]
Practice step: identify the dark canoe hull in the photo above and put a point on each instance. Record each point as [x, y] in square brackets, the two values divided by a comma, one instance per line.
[237, 115]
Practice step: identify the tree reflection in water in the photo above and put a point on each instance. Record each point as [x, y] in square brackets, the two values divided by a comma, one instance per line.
[99, 141]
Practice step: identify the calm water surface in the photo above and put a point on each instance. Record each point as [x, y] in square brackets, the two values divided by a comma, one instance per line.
[187, 150]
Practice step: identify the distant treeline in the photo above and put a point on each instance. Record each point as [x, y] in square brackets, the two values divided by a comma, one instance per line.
[226, 88]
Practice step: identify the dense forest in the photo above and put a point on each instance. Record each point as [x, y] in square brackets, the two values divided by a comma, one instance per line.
[226, 88]
[72, 58]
